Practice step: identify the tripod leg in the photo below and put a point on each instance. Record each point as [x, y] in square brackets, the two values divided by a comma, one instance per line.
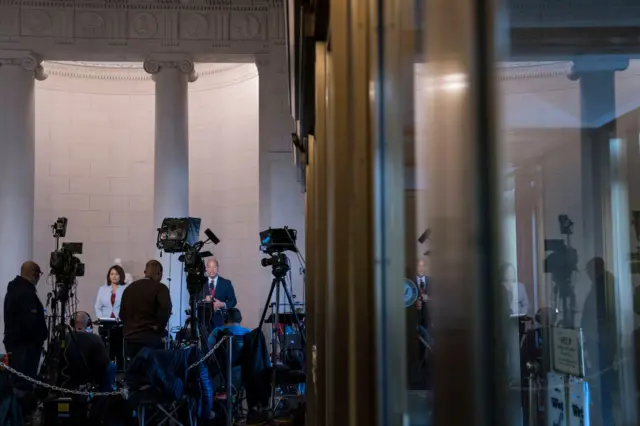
[294, 313]
[266, 305]
[275, 339]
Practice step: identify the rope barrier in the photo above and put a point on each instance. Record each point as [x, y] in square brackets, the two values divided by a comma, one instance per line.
[123, 392]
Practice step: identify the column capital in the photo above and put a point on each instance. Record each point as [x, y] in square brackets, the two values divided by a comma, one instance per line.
[589, 64]
[29, 61]
[272, 63]
[156, 63]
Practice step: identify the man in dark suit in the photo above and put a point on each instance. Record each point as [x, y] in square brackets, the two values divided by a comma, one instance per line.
[219, 291]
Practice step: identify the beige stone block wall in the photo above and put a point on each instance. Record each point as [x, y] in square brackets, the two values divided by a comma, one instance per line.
[94, 165]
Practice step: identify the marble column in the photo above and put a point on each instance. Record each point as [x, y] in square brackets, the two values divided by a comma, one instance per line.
[171, 163]
[18, 72]
[596, 77]
[275, 160]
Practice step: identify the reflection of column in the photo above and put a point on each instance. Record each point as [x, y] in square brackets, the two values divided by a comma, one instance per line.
[598, 114]
[606, 231]
[17, 139]
[275, 128]
[171, 162]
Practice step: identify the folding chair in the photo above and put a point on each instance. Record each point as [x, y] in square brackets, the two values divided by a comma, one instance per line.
[165, 412]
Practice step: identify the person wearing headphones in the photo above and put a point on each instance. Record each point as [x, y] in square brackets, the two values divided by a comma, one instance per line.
[87, 357]
[231, 326]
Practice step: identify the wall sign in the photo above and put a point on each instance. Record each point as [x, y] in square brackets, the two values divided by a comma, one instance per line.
[567, 351]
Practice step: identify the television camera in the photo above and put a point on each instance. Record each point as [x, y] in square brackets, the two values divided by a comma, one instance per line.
[561, 263]
[180, 235]
[274, 242]
[66, 267]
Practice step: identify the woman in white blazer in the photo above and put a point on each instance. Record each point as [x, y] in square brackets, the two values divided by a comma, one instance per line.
[110, 295]
[108, 306]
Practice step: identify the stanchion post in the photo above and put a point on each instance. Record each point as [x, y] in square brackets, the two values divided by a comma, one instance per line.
[533, 409]
[230, 381]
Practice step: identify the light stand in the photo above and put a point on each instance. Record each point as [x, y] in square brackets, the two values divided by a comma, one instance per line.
[565, 293]
[279, 271]
[53, 319]
[194, 268]
[195, 285]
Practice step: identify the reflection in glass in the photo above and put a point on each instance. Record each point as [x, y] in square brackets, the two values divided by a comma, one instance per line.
[569, 138]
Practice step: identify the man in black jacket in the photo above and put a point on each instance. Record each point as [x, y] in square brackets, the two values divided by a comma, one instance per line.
[25, 328]
[145, 311]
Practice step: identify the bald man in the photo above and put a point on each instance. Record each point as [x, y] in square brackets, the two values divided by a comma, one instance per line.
[145, 310]
[219, 291]
[25, 329]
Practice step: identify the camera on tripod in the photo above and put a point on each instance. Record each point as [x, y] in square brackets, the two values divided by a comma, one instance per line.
[180, 235]
[66, 267]
[63, 263]
[275, 241]
[563, 259]
[561, 263]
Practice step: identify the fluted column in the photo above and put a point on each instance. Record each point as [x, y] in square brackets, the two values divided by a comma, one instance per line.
[605, 235]
[596, 77]
[18, 72]
[171, 162]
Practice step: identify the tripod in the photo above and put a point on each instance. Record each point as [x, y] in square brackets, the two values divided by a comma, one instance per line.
[279, 272]
[58, 343]
[197, 332]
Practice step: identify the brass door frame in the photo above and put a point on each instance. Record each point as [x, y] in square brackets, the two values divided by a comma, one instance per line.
[365, 318]
[359, 136]
[462, 162]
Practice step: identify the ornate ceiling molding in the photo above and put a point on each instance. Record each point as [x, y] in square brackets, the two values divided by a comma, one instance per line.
[131, 70]
[520, 70]
[126, 29]
[26, 60]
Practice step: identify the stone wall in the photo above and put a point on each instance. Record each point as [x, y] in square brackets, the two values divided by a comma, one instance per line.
[94, 165]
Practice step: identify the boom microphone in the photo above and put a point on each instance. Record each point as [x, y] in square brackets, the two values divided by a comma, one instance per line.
[425, 236]
[211, 236]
